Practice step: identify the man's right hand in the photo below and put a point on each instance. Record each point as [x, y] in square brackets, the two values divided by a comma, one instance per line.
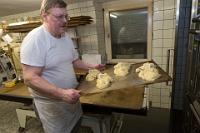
[71, 96]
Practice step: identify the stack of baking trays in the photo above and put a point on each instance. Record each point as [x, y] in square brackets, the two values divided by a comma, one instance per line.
[27, 27]
[79, 21]
[126, 95]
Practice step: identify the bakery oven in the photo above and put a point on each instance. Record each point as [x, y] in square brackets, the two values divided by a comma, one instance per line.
[192, 86]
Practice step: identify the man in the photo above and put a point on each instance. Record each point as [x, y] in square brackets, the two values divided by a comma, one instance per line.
[124, 35]
[48, 59]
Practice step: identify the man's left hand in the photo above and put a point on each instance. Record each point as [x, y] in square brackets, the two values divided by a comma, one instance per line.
[100, 67]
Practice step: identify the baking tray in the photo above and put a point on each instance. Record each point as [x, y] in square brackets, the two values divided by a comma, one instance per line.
[122, 98]
[128, 101]
[129, 81]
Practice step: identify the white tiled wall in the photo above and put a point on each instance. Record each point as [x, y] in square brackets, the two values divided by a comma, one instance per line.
[163, 40]
[93, 40]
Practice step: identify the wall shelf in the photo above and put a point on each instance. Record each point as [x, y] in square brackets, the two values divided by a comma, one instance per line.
[78, 37]
[24, 28]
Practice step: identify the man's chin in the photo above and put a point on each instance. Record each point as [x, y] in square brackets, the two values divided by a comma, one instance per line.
[63, 29]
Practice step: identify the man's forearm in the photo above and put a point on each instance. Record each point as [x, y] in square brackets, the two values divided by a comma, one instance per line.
[82, 65]
[42, 86]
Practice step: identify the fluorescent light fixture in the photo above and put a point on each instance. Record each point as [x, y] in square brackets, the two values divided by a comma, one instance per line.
[18, 23]
[114, 16]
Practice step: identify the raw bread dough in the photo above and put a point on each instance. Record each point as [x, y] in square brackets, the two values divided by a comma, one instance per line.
[92, 75]
[148, 71]
[103, 81]
[121, 69]
[121, 72]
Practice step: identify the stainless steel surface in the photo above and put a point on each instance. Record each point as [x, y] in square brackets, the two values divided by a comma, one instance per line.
[194, 10]
[168, 62]
[191, 81]
[192, 26]
[175, 49]
[130, 81]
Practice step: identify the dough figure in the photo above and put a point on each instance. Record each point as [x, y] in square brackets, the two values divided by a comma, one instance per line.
[121, 69]
[121, 72]
[148, 71]
[103, 81]
[92, 75]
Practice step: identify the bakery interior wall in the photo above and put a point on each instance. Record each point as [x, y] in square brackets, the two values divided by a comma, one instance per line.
[92, 41]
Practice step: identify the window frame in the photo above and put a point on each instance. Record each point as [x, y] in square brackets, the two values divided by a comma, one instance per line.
[123, 7]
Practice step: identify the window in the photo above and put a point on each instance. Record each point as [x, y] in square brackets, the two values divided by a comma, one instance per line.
[129, 33]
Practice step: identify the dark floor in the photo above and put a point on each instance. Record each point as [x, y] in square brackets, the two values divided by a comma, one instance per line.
[176, 121]
[156, 121]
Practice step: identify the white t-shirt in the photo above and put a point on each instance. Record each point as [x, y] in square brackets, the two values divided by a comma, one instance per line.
[39, 48]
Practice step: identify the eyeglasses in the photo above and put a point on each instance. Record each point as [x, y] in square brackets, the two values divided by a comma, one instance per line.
[61, 17]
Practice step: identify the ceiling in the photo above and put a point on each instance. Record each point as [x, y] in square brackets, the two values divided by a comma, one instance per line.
[10, 7]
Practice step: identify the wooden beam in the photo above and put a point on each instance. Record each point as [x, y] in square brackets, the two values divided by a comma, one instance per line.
[11, 56]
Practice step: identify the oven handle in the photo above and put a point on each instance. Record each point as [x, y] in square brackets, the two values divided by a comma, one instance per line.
[194, 31]
[197, 19]
[168, 60]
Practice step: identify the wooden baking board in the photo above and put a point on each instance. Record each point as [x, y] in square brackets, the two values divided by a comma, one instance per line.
[130, 81]
[123, 98]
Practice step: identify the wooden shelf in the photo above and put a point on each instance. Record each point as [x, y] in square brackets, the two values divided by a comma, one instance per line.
[24, 28]
[78, 37]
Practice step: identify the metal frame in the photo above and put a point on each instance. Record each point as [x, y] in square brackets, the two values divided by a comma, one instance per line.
[190, 45]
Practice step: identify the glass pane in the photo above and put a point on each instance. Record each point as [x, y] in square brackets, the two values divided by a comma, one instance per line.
[129, 34]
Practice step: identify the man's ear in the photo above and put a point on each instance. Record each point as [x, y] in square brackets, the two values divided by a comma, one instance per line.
[44, 15]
